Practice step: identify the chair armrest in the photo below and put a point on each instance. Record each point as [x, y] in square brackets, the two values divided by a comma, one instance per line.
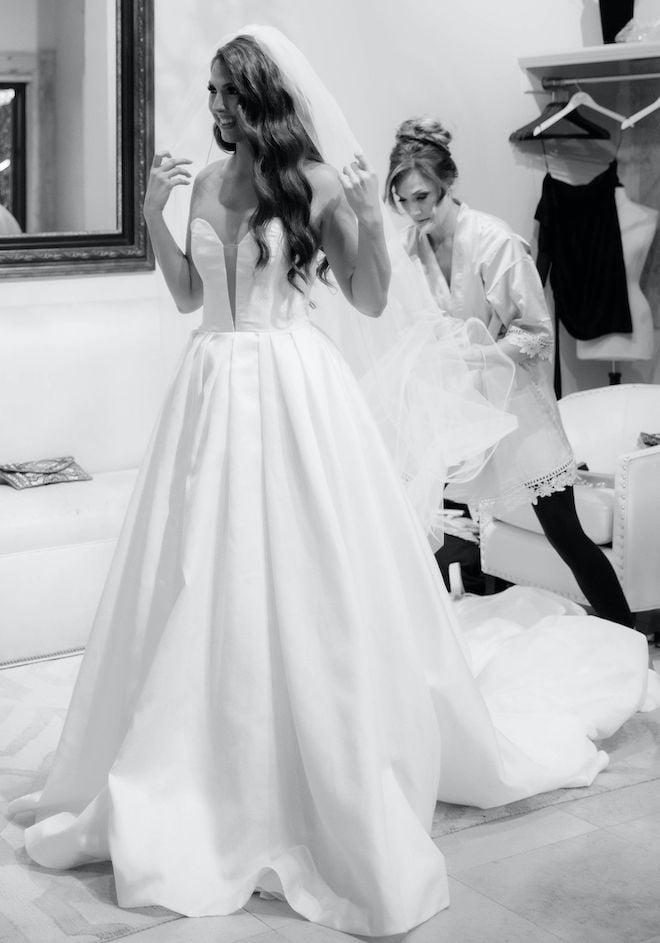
[636, 527]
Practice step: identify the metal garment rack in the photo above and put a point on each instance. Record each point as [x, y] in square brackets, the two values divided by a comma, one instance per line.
[551, 83]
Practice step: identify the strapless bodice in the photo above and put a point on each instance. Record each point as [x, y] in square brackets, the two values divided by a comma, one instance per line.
[265, 300]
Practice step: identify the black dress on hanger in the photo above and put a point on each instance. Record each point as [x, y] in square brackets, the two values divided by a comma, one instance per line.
[580, 247]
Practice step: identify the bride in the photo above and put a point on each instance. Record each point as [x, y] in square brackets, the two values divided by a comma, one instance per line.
[276, 688]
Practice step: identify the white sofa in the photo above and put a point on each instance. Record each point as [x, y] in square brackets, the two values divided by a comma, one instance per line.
[81, 380]
[603, 426]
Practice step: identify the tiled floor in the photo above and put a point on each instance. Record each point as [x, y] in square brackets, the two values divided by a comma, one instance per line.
[585, 872]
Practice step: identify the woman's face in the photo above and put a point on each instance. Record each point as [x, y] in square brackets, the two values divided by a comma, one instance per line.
[223, 104]
[424, 200]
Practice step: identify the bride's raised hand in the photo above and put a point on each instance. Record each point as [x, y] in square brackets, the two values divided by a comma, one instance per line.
[361, 188]
[166, 173]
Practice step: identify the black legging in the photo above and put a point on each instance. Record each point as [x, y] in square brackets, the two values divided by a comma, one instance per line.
[590, 567]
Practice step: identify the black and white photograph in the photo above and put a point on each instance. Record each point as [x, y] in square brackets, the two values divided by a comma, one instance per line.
[329, 471]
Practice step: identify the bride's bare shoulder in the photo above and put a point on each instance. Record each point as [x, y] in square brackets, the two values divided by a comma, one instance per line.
[323, 178]
[327, 190]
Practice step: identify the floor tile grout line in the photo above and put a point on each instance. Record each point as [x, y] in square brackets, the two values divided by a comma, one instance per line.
[558, 806]
[515, 913]
[610, 829]
[618, 791]
[256, 936]
[241, 939]
[263, 922]
[154, 926]
[562, 805]
[524, 851]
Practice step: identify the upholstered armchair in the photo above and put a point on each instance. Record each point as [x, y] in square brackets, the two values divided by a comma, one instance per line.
[618, 500]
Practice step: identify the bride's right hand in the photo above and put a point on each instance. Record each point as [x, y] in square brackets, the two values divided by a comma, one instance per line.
[166, 173]
[361, 188]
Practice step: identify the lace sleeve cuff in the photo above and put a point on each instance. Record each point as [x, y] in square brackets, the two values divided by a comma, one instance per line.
[532, 345]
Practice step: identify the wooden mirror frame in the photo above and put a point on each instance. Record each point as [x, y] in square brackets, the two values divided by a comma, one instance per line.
[128, 248]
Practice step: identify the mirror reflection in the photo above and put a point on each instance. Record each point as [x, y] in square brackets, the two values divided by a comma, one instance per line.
[58, 117]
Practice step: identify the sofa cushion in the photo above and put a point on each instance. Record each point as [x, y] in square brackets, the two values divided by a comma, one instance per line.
[71, 513]
[595, 508]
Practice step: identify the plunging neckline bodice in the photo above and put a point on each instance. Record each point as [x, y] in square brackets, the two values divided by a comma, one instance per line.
[238, 294]
[231, 259]
[225, 245]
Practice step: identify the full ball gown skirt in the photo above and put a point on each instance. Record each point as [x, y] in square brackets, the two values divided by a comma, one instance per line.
[275, 689]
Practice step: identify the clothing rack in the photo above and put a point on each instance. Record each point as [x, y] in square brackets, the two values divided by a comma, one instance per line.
[550, 83]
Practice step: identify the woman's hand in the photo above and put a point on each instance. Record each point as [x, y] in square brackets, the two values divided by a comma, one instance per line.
[361, 188]
[166, 173]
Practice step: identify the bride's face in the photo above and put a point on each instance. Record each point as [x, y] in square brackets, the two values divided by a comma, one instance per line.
[223, 104]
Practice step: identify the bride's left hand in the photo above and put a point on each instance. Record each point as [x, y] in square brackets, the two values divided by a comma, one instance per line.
[361, 188]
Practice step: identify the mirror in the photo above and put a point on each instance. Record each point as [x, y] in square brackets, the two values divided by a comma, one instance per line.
[76, 136]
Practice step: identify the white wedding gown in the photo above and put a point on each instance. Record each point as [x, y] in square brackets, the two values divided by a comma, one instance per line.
[275, 690]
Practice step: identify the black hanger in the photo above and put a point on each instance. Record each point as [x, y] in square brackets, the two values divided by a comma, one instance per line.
[581, 127]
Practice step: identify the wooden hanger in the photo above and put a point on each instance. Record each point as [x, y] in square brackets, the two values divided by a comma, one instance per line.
[582, 127]
[579, 99]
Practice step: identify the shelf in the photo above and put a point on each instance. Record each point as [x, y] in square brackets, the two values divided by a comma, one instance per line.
[612, 59]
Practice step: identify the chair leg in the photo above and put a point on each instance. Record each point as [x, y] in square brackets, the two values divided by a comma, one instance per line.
[648, 622]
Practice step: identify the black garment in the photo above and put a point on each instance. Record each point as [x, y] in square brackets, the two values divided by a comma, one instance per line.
[580, 245]
[457, 550]
[614, 14]
[592, 570]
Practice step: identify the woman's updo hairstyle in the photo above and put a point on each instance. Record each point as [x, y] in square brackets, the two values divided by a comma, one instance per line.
[421, 144]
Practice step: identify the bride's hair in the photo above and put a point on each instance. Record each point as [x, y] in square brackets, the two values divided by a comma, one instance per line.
[421, 144]
[280, 145]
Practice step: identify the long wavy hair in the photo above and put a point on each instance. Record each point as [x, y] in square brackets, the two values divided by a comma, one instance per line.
[421, 144]
[280, 146]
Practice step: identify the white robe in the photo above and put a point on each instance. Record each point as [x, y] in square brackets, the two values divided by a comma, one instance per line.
[494, 279]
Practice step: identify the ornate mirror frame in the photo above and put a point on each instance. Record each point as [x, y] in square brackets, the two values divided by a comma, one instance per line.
[127, 249]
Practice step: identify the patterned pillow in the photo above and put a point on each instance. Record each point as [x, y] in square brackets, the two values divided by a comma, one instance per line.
[648, 439]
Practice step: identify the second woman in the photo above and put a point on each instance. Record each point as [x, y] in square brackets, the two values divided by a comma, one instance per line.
[477, 267]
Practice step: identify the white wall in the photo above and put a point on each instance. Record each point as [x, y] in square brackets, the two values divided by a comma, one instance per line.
[383, 60]
[19, 25]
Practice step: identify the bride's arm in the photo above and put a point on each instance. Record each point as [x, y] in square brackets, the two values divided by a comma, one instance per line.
[180, 273]
[351, 227]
